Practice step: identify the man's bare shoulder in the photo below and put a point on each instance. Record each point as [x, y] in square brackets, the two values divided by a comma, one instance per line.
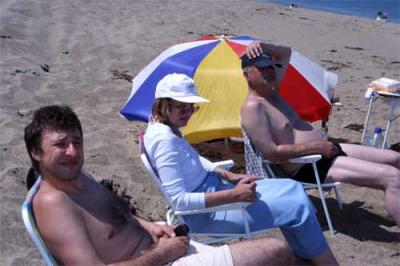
[253, 112]
[48, 194]
[49, 201]
[63, 226]
[253, 104]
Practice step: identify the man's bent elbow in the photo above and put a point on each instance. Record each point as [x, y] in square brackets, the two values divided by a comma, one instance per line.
[276, 158]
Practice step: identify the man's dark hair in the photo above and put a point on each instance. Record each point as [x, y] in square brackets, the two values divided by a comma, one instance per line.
[52, 117]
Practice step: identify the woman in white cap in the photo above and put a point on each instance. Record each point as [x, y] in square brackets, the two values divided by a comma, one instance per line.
[192, 182]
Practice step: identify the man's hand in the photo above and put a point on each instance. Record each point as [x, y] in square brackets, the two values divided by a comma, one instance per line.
[160, 231]
[254, 49]
[245, 190]
[173, 248]
[157, 231]
[328, 149]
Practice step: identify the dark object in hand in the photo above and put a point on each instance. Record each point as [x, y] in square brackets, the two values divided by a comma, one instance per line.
[395, 147]
[182, 230]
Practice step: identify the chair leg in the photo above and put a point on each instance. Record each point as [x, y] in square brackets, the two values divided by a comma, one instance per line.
[170, 217]
[326, 211]
[321, 194]
[246, 223]
[338, 199]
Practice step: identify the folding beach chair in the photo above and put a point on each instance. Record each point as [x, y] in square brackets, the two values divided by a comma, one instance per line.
[257, 165]
[30, 224]
[175, 216]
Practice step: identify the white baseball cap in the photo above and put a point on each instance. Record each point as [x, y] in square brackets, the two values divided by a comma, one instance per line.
[178, 87]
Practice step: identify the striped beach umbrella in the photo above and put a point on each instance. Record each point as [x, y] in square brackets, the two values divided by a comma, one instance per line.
[214, 64]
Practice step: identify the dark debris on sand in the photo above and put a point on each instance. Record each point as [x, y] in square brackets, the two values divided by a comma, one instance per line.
[354, 48]
[336, 65]
[356, 127]
[121, 75]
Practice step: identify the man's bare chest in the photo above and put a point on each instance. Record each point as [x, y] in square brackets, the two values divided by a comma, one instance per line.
[112, 229]
[288, 127]
[282, 122]
[103, 212]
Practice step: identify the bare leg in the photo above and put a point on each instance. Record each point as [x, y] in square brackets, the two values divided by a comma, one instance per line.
[373, 175]
[261, 251]
[372, 154]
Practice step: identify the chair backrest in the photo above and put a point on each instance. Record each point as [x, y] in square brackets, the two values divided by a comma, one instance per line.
[254, 160]
[257, 165]
[30, 224]
[151, 169]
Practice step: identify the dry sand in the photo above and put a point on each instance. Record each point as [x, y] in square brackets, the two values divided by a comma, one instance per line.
[90, 45]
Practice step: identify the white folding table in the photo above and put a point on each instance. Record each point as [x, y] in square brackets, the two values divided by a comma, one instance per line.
[393, 101]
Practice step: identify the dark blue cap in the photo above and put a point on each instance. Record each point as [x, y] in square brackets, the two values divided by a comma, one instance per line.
[263, 60]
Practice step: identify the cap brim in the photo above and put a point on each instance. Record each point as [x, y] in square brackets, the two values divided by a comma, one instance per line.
[267, 64]
[191, 99]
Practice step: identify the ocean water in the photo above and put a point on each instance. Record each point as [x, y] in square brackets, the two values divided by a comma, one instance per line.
[359, 8]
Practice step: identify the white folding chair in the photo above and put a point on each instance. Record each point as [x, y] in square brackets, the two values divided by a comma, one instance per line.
[264, 169]
[175, 216]
[30, 224]
[313, 159]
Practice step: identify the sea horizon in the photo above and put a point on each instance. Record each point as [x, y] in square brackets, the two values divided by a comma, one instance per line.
[358, 8]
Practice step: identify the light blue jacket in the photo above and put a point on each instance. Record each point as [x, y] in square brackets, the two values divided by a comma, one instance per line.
[179, 166]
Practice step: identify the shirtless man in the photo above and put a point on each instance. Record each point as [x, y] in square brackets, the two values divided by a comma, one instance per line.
[278, 133]
[83, 223]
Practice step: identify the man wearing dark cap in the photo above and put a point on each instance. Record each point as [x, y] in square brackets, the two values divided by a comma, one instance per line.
[277, 133]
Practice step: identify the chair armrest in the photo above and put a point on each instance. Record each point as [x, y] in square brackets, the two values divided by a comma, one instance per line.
[224, 207]
[306, 159]
[303, 159]
[323, 185]
[227, 164]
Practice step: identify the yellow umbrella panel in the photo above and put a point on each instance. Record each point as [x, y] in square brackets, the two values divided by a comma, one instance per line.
[220, 79]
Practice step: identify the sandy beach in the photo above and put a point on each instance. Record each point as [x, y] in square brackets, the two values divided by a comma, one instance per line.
[94, 48]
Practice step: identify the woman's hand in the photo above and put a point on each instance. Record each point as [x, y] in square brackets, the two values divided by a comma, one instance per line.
[232, 177]
[245, 190]
[235, 178]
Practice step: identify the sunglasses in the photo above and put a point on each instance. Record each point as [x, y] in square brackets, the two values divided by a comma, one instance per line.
[184, 108]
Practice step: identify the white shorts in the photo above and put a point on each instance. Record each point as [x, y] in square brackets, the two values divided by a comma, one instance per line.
[200, 254]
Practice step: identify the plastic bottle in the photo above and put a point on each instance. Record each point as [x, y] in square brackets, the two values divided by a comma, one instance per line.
[375, 139]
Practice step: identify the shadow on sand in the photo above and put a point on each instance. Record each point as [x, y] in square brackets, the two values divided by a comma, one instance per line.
[355, 221]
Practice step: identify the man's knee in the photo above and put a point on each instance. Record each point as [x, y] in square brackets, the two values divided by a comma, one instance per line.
[262, 251]
[394, 181]
[279, 250]
[393, 158]
[283, 252]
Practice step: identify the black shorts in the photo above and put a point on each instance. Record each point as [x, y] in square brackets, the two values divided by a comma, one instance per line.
[306, 173]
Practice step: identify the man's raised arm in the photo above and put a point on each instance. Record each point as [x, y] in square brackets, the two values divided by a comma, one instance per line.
[280, 53]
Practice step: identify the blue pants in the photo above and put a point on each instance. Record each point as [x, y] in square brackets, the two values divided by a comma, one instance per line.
[282, 203]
